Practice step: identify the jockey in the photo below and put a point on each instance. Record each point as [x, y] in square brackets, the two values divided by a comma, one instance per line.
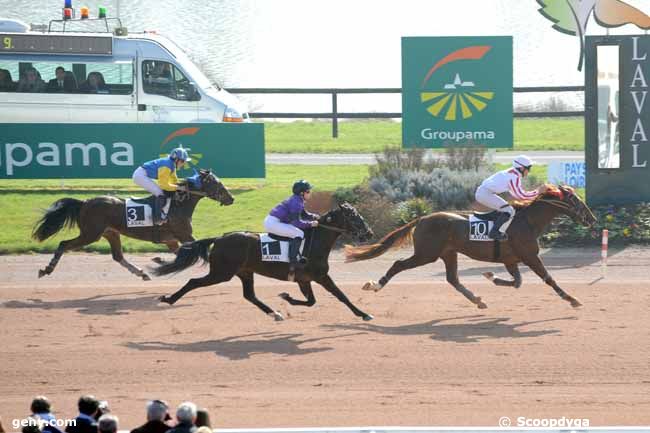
[286, 219]
[508, 180]
[164, 170]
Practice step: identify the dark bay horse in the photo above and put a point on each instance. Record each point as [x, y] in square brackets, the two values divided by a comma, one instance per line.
[104, 216]
[239, 254]
[444, 235]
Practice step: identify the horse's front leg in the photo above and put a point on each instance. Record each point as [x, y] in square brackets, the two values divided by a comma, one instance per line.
[513, 269]
[329, 285]
[535, 263]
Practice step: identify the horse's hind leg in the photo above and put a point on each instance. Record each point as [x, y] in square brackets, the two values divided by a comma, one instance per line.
[195, 283]
[113, 239]
[400, 265]
[451, 265]
[84, 238]
[513, 269]
[305, 288]
[249, 294]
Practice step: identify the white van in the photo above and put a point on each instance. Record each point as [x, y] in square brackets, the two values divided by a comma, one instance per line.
[105, 78]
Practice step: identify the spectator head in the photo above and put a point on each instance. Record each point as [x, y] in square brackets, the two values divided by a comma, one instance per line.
[60, 73]
[157, 410]
[41, 404]
[31, 75]
[202, 418]
[5, 76]
[102, 408]
[33, 425]
[107, 424]
[204, 429]
[88, 405]
[186, 413]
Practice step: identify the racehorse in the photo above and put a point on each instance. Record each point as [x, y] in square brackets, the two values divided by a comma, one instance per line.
[239, 254]
[105, 216]
[444, 235]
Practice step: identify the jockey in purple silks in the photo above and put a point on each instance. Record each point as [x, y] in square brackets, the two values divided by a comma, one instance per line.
[290, 218]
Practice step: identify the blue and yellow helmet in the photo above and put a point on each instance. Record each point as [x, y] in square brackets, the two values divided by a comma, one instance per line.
[180, 154]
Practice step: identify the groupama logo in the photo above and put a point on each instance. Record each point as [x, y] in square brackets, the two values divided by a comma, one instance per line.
[571, 16]
[183, 132]
[457, 99]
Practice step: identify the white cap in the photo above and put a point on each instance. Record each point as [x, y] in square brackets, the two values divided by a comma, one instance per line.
[522, 161]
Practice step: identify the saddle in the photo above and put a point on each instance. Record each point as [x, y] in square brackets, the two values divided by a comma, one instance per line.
[144, 200]
[278, 237]
[488, 216]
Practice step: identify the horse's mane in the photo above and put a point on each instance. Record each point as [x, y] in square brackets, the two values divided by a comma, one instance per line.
[552, 192]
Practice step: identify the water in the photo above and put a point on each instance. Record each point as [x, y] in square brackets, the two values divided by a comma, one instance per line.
[335, 43]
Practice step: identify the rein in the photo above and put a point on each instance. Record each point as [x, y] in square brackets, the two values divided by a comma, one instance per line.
[332, 228]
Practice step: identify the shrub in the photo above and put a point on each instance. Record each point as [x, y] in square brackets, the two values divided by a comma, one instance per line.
[411, 209]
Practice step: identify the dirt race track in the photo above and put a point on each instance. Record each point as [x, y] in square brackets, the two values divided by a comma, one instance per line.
[429, 357]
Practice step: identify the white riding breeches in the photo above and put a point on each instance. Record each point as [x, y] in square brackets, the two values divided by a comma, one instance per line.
[141, 179]
[274, 225]
[493, 201]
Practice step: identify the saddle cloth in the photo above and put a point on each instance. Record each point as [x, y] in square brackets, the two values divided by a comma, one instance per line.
[275, 250]
[139, 212]
[479, 229]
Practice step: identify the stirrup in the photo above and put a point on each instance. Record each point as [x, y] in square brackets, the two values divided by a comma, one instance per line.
[498, 236]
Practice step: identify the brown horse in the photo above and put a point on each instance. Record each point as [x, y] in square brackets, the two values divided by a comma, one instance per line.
[444, 235]
[104, 216]
[239, 254]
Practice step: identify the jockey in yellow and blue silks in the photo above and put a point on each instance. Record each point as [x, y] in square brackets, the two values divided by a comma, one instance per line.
[164, 171]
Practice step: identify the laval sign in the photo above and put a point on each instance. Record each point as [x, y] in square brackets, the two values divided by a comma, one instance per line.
[115, 150]
[617, 106]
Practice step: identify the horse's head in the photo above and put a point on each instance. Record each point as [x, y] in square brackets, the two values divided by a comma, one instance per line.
[566, 199]
[206, 182]
[347, 218]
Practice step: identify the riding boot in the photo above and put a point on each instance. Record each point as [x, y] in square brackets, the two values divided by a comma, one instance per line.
[158, 205]
[495, 233]
[294, 247]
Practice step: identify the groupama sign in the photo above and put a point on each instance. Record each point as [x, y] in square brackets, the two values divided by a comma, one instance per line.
[457, 91]
[41, 151]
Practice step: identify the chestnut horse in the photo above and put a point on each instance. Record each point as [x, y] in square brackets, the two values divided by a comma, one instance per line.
[444, 235]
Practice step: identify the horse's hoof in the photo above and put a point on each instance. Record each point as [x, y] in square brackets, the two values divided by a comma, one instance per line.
[41, 273]
[165, 300]
[368, 317]
[480, 304]
[277, 316]
[146, 277]
[158, 260]
[285, 296]
[575, 303]
[369, 285]
[489, 275]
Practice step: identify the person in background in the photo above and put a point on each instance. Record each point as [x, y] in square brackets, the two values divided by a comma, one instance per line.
[107, 424]
[42, 408]
[202, 418]
[31, 82]
[94, 84]
[186, 417]
[6, 82]
[157, 417]
[85, 422]
[60, 84]
[2, 430]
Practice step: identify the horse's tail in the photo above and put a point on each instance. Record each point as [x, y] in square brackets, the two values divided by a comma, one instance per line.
[62, 213]
[394, 239]
[186, 256]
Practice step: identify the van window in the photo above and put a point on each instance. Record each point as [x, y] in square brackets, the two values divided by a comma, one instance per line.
[164, 78]
[63, 77]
